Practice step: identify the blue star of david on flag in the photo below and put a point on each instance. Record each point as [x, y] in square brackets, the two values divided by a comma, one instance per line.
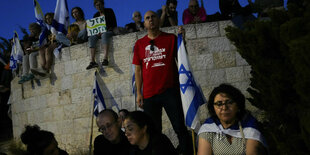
[191, 95]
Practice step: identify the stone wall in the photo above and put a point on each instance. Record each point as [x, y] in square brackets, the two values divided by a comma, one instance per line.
[63, 103]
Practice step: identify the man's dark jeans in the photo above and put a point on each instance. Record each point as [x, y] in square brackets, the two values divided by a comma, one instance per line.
[171, 101]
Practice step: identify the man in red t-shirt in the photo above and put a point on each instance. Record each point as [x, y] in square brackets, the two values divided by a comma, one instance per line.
[154, 59]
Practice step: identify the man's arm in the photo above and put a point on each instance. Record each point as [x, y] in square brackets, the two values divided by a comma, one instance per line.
[162, 15]
[138, 78]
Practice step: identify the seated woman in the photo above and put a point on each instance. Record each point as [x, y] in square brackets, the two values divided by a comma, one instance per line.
[78, 14]
[141, 133]
[230, 129]
[40, 142]
[194, 14]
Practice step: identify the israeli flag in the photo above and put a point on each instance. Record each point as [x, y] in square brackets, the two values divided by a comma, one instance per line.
[133, 79]
[40, 20]
[99, 103]
[61, 18]
[17, 52]
[190, 93]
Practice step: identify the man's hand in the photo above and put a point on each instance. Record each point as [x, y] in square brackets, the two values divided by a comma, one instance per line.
[140, 100]
[164, 9]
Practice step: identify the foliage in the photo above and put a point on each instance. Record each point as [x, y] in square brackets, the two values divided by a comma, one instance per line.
[278, 52]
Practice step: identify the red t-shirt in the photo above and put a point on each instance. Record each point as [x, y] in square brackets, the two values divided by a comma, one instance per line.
[159, 70]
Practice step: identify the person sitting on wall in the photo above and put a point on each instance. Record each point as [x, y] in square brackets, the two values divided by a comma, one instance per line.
[112, 140]
[144, 137]
[137, 25]
[194, 14]
[78, 14]
[168, 14]
[230, 129]
[46, 51]
[105, 36]
[263, 6]
[31, 48]
[40, 142]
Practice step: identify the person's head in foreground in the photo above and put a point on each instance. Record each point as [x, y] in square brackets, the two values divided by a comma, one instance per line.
[109, 125]
[40, 142]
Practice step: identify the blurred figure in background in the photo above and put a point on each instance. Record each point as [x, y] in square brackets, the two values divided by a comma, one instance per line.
[194, 14]
[168, 14]
[137, 25]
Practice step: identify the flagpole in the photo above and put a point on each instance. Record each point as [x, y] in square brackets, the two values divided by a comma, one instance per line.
[193, 138]
[92, 123]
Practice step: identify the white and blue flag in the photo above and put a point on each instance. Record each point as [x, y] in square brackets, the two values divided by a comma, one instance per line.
[99, 103]
[61, 18]
[190, 93]
[17, 52]
[246, 128]
[40, 20]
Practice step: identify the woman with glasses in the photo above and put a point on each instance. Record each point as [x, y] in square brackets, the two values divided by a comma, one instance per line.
[141, 133]
[230, 129]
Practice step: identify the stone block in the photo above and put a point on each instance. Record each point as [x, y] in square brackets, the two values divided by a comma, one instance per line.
[197, 47]
[64, 97]
[172, 29]
[66, 82]
[83, 79]
[79, 51]
[83, 126]
[59, 69]
[48, 114]
[52, 127]
[210, 29]
[234, 74]
[190, 31]
[58, 113]
[70, 111]
[128, 102]
[80, 65]
[81, 95]
[122, 88]
[223, 25]
[65, 54]
[240, 61]
[218, 44]
[224, 59]
[203, 62]
[28, 102]
[247, 72]
[83, 110]
[68, 68]
[123, 43]
[52, 99]
[216, 77]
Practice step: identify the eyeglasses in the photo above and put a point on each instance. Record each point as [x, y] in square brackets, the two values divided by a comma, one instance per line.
[152, 42]
[228, 103]
[105, 128]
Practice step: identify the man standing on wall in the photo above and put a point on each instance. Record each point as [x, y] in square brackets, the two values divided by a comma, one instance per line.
[154, 58]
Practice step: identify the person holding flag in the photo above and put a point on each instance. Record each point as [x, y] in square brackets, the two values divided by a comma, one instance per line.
[155, 69]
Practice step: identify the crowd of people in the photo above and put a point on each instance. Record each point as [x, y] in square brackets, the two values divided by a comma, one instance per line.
[230, 127]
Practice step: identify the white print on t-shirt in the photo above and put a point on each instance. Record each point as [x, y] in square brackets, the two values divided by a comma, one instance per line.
[157, 54]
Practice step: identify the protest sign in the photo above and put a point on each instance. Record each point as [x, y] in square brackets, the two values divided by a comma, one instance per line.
[96, 25]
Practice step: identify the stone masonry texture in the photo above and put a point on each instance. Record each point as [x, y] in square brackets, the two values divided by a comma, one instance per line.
[63, 104]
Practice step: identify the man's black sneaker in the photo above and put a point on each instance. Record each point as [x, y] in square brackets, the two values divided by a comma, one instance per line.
[92, 65]
[105, 62]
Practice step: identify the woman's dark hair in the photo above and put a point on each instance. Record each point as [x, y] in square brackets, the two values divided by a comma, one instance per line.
[124, 111]
[35, 26]
[142, 119]
[49, 14]
[175, 2]
[233, 93]
[36, 140]
[80, 10]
